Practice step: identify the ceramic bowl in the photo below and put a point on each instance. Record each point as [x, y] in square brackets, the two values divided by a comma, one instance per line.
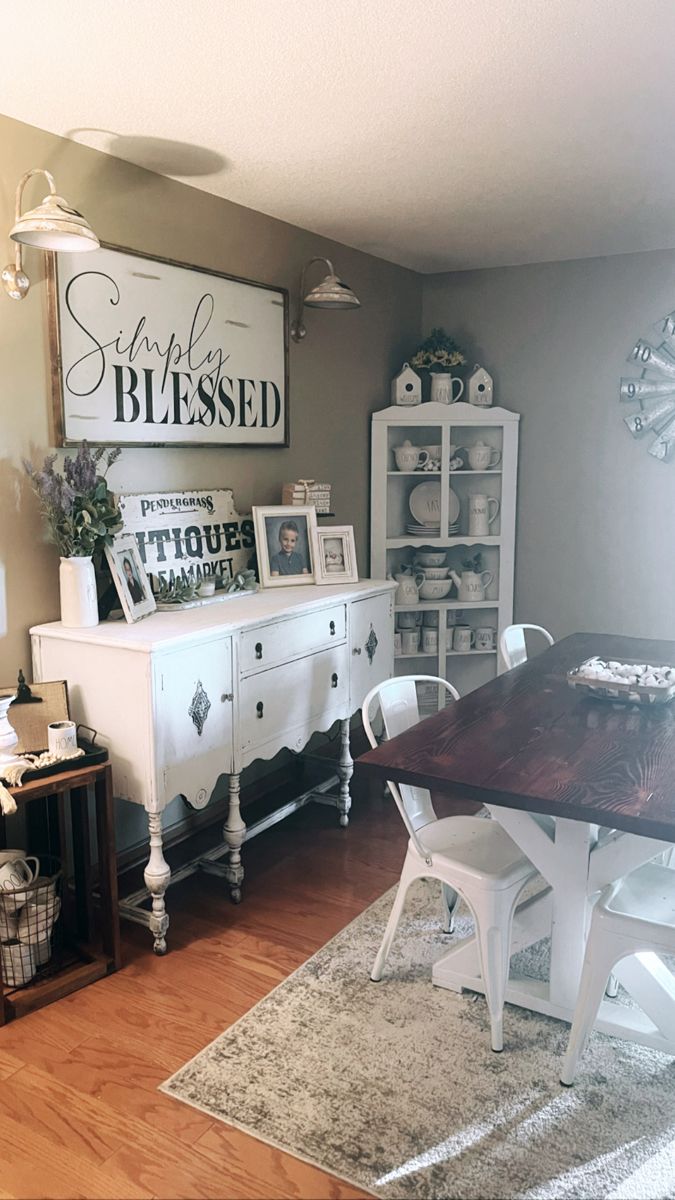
[435, 589]
[435, 572]
[429, 559]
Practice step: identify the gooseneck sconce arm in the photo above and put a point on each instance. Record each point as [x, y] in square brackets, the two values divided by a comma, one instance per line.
[330, 293]
[53, 225]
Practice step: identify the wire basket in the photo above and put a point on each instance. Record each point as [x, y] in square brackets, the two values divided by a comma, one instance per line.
[30, 925]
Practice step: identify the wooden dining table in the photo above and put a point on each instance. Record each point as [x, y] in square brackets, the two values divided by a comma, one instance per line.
[531, 747]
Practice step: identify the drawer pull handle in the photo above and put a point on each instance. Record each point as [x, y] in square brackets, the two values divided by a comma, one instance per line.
[259, 709]
[258, 649]
[356, 650]
[334, 679]
[332, 628]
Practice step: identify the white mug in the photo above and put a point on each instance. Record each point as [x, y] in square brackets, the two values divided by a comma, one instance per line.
[486, 637]
[429, 640]
[480, 517]
[37, 919]
[397, 642]
[17, 963]
[14, 875]
[62, 737]
[463, 638]
[483, 457]
[410, 641]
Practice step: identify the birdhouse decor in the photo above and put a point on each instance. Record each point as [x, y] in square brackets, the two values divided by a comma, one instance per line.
[406, 387]
[479, 387]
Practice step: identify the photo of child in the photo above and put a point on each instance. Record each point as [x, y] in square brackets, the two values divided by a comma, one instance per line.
[285, 544]
[291, 558]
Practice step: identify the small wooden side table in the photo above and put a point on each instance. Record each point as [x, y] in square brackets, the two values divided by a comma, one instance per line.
[94, 957]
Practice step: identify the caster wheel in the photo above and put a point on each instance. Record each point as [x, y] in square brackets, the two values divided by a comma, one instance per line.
[160, 947]
[344, 820]
[235, 895]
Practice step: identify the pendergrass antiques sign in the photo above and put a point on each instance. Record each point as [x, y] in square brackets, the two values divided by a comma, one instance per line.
[148, 352]
[189, 535]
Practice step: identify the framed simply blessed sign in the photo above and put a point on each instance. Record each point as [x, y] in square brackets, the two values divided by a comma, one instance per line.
[149, 352]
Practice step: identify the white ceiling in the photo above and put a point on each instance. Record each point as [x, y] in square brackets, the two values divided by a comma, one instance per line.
[439, 134]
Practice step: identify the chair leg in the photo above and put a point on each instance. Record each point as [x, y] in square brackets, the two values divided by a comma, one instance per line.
[591, 991]
[449, 899]
[408, 875]
[494, 919]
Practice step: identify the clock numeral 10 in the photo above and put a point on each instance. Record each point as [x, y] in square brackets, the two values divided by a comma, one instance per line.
[651, 359]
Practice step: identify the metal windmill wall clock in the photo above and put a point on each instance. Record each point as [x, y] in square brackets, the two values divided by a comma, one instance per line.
[653, 391]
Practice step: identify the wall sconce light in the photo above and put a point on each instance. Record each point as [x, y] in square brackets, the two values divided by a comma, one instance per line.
[53, 225]
[330, 293]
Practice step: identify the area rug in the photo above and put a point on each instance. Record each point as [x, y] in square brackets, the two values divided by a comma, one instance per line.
[393, 1086]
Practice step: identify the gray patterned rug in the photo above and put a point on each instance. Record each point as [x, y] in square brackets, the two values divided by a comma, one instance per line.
[394, 1088]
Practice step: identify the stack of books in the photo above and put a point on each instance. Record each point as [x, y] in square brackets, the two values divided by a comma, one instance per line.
[307, 491]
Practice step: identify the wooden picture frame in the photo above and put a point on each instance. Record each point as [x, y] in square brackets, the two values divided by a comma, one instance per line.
[285, 561]
[29, 721]
[130, 577]
[335, 554]
[149, 351]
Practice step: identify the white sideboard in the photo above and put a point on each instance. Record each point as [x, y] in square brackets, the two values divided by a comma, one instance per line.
[183, 697]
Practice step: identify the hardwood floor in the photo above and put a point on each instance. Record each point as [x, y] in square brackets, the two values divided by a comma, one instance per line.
[81, 1114]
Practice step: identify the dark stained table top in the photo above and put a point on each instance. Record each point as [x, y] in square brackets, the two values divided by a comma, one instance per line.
[527, 740]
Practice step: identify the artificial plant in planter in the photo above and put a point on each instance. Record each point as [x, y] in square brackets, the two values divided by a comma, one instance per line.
[438, 354]
[82, 516]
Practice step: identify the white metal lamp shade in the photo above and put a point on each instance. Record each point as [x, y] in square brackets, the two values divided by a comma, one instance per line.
[53, 225]
[332, 292]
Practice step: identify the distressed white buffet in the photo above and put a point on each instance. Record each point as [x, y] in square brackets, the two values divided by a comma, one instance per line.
[181, 698]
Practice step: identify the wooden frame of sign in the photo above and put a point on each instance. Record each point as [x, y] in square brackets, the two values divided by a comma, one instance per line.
[192, 535]
[147, 351]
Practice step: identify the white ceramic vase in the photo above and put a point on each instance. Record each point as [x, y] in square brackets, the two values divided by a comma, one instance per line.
[77, 582]
[445, 387]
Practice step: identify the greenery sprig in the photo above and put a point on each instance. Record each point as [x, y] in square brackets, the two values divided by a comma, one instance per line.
[438, 353]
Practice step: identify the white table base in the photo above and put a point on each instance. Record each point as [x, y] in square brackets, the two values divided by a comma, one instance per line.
[576, 863]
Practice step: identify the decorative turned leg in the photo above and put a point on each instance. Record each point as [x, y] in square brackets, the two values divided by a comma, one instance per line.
[157, 875]
[345, 771]
[234, 831]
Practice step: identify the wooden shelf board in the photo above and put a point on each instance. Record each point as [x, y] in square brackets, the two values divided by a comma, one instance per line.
[399, 543]
[430, 605]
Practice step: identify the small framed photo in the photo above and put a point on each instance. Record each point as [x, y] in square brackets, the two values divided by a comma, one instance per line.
[335, 554]
[284, 538]
[130, 578]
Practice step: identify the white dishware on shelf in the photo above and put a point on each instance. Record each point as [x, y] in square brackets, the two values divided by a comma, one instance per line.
[483, 457]
[463, 638]
[472, 585]
[431, 558]
[483, 512]
[409, 457]
[486, 637]
[408, 588]
[435, 572]
[430, 619]
[435, 589]
[429, 640]
[434, 452]
[425, 503]
[408, 620]
[397, 641]
[410, 641]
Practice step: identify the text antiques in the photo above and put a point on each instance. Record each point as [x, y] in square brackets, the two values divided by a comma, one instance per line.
[189, 535]
[151, 352]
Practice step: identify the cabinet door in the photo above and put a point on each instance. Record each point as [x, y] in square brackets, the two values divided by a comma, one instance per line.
[371, 642]
[193, 719]
[284, 706]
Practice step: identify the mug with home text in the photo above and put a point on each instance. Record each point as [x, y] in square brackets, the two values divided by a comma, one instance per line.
[486, 637]
[463, 638]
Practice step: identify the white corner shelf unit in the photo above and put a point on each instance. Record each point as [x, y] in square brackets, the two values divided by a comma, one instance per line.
[394, 546]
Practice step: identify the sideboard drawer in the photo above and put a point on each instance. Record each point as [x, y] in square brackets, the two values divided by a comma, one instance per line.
[285, 641]
[273, 704]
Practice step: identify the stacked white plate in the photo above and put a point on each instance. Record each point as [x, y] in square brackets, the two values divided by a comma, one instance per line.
[431, 531]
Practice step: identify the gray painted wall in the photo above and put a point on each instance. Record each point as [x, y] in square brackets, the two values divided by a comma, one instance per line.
[596, 514]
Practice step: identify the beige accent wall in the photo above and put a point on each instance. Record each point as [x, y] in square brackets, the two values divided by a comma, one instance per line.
[337, 376]
[595, 544]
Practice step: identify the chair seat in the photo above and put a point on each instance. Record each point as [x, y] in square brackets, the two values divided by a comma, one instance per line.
[647, 894]
[476, 849]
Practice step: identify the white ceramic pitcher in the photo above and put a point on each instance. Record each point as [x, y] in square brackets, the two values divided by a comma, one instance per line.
[471, 585]
[408, 588]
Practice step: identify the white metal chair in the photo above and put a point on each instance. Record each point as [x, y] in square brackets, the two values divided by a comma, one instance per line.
[512, 643]
[476, 857]
[632, 915]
